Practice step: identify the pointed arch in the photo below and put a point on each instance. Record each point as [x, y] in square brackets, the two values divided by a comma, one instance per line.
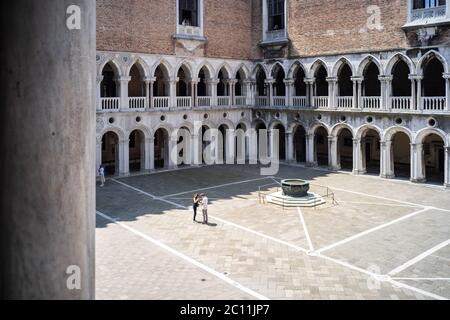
[141, 65]
[276, 67]
[366, 62]
[187, 68]
[206, 66]
[427, 57]
[224, 67]
[115, 65]
[165, 66]
[339, 64]
[315, 67]
[259, 67]
[393, 61]
[242, 68]
[294, 67]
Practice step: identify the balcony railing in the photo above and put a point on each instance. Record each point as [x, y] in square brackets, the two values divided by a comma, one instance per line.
[184, 102]
[320, 102]
[241, 101]
[204, 101]
[110, 104]
[344, 102]
[400, 103]
[299, 102]
[223, 101]
[279, 101]
[434, 103]
[137, 103]
[261, 101]
[371, 102]
[161, 102]
[428, 13]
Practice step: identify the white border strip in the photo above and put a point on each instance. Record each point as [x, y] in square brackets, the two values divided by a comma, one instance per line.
[186, 258]
[419, 258]
[361, 234]
[215, 187]
[305, 229]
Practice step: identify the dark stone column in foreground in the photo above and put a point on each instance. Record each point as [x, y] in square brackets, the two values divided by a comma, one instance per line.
[47, 149]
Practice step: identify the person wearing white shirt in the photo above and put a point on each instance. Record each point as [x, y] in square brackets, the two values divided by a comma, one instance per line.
[204, 203]
[101, 173]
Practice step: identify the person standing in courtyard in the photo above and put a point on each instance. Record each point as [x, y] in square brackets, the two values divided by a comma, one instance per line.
[101, 172]
[204, 203]
[196, 204]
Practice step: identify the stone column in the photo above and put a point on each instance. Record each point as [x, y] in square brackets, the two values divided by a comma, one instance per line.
[196, 149]
[194, 94]
[252, 145]
[289, 92]
[124, 157]
[309, 91]
[333, 153]
[389, 92]
[332, 92]
[213, 89]
[357, 157]
[249, 91]
[270, 83]
[149, 154]
[447, 168]
[99, 92]
[172, 152]
[385, 82]
[357, 92]
[412, 78]
[47, 207]
[417, 163]
[447, 90]
[310, 151]
[230, 146]
[290, 147]
[149, 91]
[173, 92]
[232, 93]
[419, 104]
[386, 157]
[123, 87]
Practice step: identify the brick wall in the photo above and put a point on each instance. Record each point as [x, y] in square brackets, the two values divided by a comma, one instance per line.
[228, 27]
[144, 26]
[147, 26]
[340, 26]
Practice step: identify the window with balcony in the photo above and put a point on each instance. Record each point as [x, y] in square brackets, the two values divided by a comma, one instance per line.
[276, 15]
[190, 18]
[274, 20]
[427, 12]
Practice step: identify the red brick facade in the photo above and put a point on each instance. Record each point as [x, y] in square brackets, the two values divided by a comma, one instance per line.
[341, 26]
[233, 28]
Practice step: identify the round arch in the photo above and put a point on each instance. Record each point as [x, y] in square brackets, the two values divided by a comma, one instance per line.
[336, 129]
[422, 134]
[390, 132]
[313, 128]
[366, 127]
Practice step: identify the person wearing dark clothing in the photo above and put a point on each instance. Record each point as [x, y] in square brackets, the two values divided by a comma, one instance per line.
[196, 204]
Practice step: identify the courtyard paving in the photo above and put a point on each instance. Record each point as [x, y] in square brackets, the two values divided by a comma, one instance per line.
[373, 239]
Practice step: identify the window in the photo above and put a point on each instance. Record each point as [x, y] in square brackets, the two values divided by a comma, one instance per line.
[276, 14]
[188, 13]
[424, 4]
